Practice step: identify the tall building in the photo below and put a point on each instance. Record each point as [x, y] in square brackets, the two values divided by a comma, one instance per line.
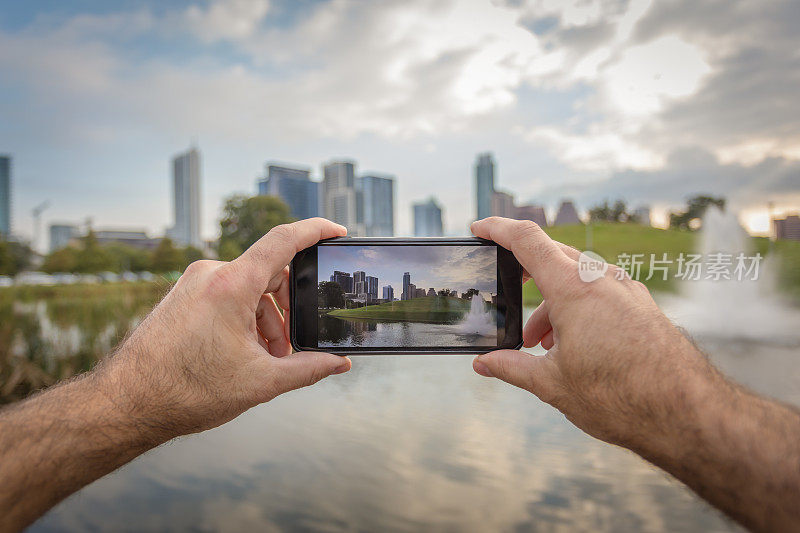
[295, 187]
[186, 196]
[484, 184]
[61, 235]
[339, 201]
[359, 282]
[406, 295]
[5, 196]
[388, 293]
[372, 286]
[375, 205]
[428, 219]
[531, 212]
[567, 214]
[503, 204]
[344, 279]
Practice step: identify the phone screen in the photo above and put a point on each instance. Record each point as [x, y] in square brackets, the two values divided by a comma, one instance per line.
[401, 297]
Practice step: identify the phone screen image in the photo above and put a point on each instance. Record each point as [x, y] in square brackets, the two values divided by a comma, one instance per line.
[407, 296]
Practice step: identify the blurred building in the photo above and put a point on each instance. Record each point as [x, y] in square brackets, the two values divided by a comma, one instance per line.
[339, 195]
[484, 184]
[388, 293]
[375, 205]
[5, 196]
[787, 228]
[428, 219]
[503, 204]
[642, 215]
[129, 237]
[186, 197]
[62, 234]
[295, 187]
[567, 214]
[535, 213]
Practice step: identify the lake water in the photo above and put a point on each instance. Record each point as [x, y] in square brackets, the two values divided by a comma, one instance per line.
[337, 332]
[400, 443]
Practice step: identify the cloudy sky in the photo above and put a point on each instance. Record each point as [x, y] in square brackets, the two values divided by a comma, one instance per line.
[458, 268]
[583, 99]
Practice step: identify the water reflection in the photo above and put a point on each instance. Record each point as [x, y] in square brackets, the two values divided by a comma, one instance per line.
[398, 444]
[55, 333]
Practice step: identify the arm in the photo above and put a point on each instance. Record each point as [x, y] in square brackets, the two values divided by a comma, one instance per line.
[619, 370]
[216, 346]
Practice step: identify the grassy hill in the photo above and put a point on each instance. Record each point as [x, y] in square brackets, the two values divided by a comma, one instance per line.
[435, 309]
[610, 240]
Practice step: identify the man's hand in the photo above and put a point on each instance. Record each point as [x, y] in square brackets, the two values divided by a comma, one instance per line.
[619, 370]
[214, 347]
[218, 344]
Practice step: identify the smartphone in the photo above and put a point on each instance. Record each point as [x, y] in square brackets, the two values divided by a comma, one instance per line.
[354, 296]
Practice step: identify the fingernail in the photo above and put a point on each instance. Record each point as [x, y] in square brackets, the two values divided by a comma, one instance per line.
[482, 369]
[341, 369]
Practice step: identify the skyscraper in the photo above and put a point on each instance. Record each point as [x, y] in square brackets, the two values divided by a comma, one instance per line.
[359, 282]
[428, 219]
[484, 184]
[339, 195]
[405, 295]
[294, 187]
[375, 210]
[372, 286]
[186, 195]
[5, 196]
[388, 293]
[344, 279]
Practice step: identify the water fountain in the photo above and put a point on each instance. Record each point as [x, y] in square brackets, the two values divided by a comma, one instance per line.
[479, 320]
[747, 309]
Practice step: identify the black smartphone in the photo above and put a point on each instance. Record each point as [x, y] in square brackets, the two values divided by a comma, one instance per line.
[397, 296]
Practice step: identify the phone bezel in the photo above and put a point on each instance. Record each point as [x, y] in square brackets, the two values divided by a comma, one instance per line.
[509, 283]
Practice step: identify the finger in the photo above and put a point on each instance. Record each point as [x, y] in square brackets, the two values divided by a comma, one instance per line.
[281, 294]
[538, 253]
[302, 369]
[272, 252]
[537, 374]
[536, 326]
[548, 341]
[270, 322]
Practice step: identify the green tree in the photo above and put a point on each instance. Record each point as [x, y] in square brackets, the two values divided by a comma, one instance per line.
[62, 260]
[190, 255]
[247, 219]
[92, 257]
[330, 294]
[128, 258]
[610, 213]
[695, 209]
[166, 257]
[14, 257]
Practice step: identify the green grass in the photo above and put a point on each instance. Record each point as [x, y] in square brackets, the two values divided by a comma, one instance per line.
[435, 309]
[610, 240]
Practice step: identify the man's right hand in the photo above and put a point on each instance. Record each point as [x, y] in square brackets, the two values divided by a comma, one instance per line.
[615, 366]
[619, 370]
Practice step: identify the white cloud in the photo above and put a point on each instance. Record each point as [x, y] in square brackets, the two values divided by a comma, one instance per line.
[226, 19]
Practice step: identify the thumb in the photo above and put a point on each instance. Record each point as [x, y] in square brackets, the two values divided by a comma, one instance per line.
[538, 374]
[302, 369]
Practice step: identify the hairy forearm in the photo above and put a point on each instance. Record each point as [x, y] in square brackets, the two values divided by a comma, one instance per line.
[738, 451]
[60, 440]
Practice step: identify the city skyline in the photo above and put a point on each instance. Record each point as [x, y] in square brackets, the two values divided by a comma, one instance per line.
[456, 268]
[107, 92]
